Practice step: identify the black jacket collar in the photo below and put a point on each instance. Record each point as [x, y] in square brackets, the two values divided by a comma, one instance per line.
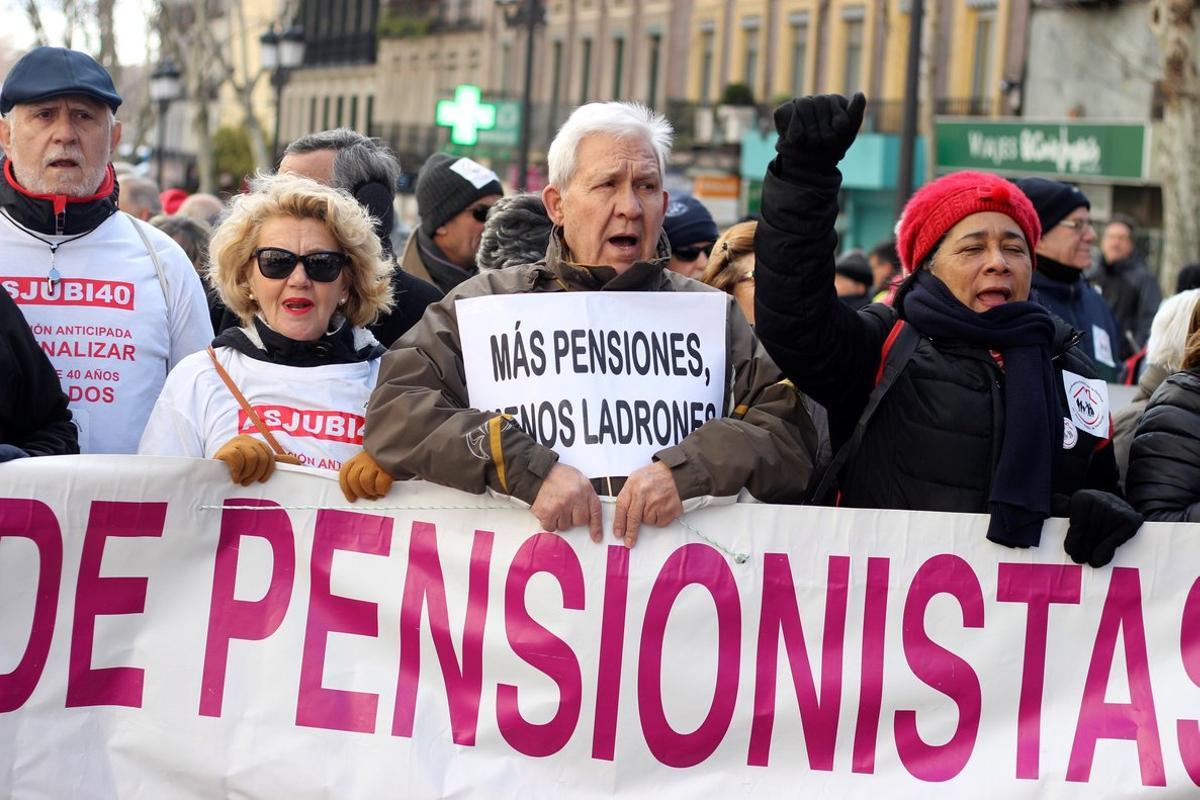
[57, 214]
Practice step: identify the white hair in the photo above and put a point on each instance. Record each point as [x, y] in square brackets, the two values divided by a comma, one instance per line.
[624, 120]
[1169, 330]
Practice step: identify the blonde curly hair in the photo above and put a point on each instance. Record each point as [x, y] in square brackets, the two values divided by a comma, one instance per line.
[231, 250]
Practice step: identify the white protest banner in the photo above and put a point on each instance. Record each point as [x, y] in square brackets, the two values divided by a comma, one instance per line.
[165, 634]
[605, 379]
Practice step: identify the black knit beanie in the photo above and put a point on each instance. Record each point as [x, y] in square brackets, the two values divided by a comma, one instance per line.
[447, 184]
[1052, 200]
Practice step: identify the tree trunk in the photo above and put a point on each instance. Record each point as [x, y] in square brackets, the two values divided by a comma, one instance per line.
[1173, 24]
[928, 85]
[245, 91]
[108, 38]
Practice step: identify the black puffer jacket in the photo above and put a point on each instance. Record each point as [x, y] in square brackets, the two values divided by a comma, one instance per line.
[1133, 295]
[934, 442]
[33, 409]
[1164, 463]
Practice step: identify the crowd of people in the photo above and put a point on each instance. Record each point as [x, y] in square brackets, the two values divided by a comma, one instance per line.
[959, 367]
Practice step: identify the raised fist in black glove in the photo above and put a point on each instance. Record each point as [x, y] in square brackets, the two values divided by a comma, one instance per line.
[816, 131]
[1100, 523]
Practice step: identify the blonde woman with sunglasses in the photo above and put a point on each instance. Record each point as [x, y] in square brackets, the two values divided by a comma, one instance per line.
[300, 265]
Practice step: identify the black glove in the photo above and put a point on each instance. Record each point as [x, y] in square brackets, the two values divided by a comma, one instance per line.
[817, 131]
[1100, 523]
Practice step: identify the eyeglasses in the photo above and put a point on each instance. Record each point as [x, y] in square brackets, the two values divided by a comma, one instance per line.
[480, 213]
[692, 253]
[1077, 225]
[276, 263]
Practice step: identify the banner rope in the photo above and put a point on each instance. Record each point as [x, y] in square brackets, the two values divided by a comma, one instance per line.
[735, 556]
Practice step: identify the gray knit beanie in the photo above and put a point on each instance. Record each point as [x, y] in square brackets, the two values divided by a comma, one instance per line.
[447, 184]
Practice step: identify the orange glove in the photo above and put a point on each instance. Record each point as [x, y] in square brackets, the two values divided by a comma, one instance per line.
[249, 459]
[360, 476]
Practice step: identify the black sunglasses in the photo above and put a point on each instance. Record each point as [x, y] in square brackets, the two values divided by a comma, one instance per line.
[480, 213]
[692, 253]
[276, 263]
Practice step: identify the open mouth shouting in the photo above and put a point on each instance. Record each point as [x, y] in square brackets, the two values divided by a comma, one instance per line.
[298, 306]
[627, 246]
[994, 296]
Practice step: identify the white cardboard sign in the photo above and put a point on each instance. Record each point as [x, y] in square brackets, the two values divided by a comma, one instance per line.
[604, 379]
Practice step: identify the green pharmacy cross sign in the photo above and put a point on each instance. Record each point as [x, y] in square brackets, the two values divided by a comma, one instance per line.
[465, 115]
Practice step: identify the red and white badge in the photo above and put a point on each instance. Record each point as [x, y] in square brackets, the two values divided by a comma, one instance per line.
[1087, 398]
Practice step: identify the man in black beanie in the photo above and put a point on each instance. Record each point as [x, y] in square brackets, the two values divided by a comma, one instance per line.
[852, 279]
[453, 197]
[1063, 252]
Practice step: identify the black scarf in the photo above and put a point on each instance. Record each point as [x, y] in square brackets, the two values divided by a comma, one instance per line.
[1023, 333]
[57, 215]
[335, 347]
[444, 272]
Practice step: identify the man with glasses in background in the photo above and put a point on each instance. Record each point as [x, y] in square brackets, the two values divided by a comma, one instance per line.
[692, 232]
[454, 195]
[1063, 253]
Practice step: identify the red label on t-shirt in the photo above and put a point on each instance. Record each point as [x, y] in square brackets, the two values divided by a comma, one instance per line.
[70, 292]
[332, 426]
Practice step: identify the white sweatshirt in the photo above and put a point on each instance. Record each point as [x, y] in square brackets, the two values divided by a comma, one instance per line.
[107, 326]
[316, 413]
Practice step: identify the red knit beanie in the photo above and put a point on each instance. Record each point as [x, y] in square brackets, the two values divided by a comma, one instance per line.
[939, 206]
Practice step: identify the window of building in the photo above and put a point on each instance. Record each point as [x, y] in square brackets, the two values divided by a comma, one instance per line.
[312, 114]
[618, 66]
[652, 70]
[338, 115]
[852, 72]
[585, 71]
[750, 65]
[353, 123]
[706, 64]
[799, 34]
[369, 122]
[325, 113]
[981, 71]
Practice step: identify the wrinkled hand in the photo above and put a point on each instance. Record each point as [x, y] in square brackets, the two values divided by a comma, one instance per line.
[249, 459]
[361, 476]
[567, 500]
[819, 129]
[648, 496]
[1100, 523]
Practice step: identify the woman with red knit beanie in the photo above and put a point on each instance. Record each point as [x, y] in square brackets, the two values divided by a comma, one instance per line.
[964, 396]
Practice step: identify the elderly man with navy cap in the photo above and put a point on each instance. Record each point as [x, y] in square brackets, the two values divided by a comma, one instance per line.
[112, 301]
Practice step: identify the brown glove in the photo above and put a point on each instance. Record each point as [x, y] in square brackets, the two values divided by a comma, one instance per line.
[249, 459]
[360, 476]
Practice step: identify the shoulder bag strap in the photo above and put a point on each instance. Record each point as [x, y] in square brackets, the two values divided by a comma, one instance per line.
[280, 453]
[897, 349]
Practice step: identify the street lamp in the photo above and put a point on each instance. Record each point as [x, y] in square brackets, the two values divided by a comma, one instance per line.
[165, 86]
[281, 53]
[529, 13]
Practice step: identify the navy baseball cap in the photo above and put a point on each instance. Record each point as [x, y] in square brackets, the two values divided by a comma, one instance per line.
[55, 71]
